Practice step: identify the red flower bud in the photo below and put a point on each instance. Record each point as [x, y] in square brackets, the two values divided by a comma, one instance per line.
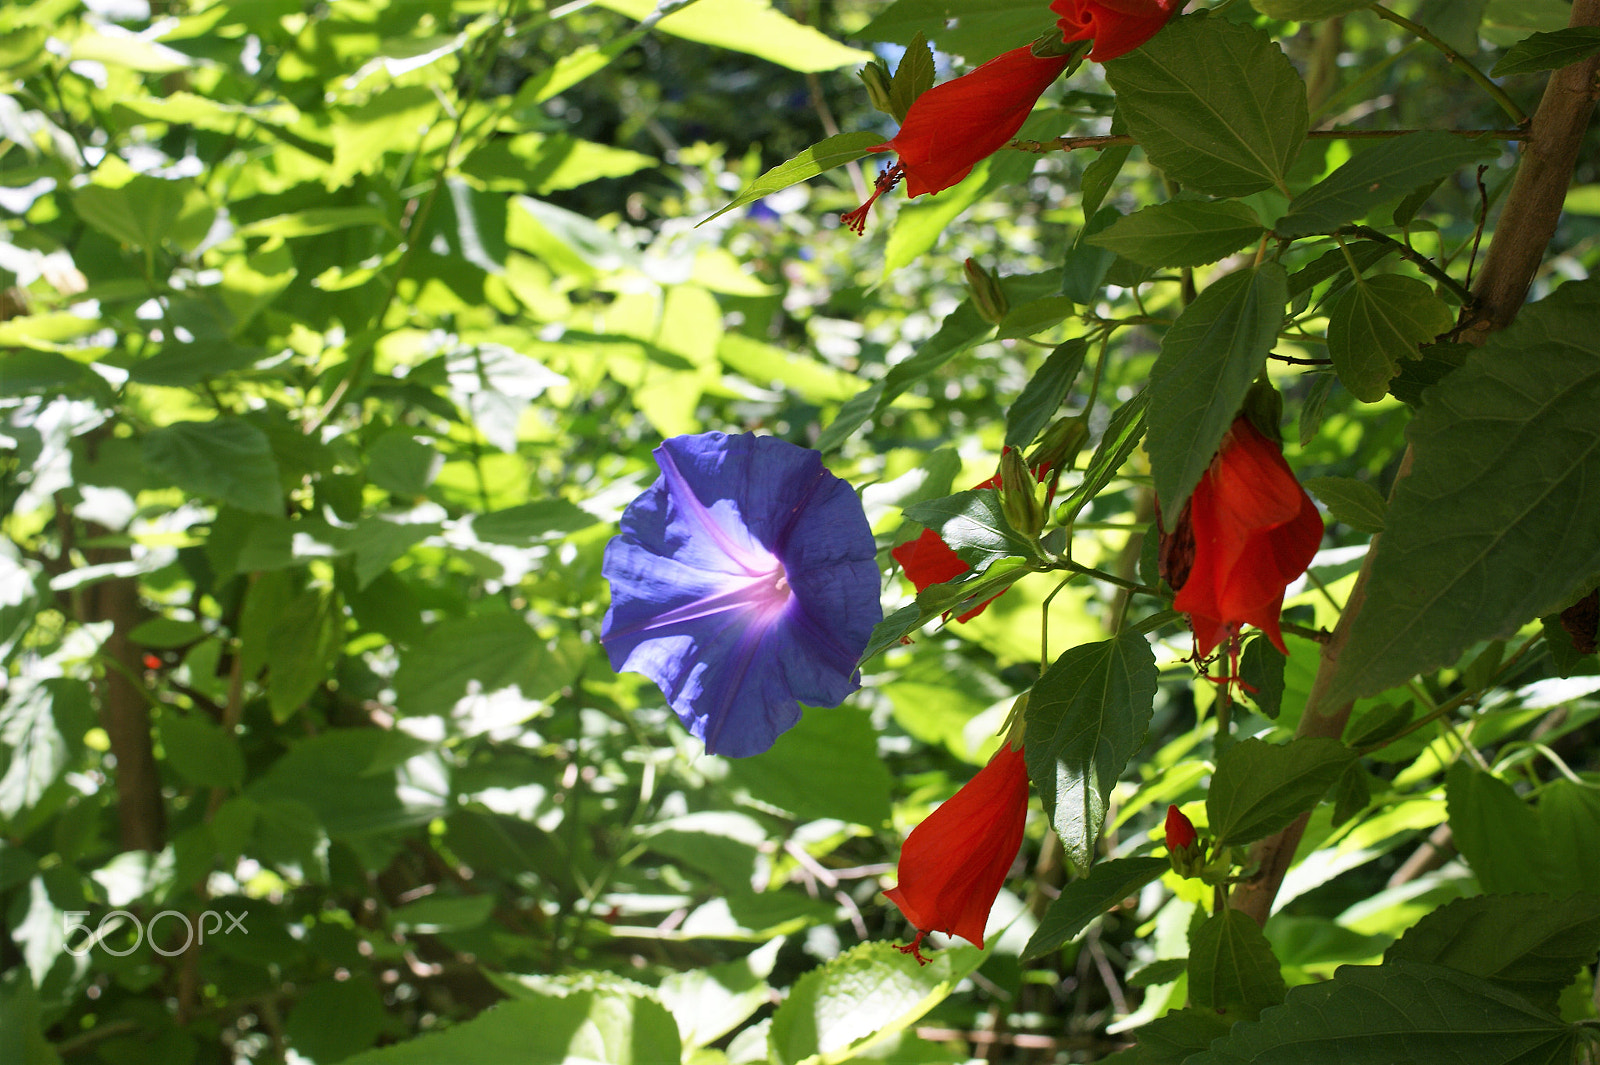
[1253, 531]
[953, 864]
[1180, 830]
[1116, 26]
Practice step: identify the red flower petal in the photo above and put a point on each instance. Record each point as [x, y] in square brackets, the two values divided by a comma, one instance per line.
[1255, 530]
[1116, 26]
[953, 864]
[1180, 830]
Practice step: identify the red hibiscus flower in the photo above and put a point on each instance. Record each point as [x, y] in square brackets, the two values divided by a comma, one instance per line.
[1116, 26]
[953, 864]
[953, 126]
[1251, 530]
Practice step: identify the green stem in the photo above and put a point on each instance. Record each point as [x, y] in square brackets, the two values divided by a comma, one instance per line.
[1507, 104]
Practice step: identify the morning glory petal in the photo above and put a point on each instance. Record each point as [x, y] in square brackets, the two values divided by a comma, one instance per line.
[744, 582]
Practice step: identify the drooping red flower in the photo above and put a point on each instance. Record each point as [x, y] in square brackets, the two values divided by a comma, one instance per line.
[1180, 830]
[1253, 530]
[953, 864]
[1116, 26]
[953, 126]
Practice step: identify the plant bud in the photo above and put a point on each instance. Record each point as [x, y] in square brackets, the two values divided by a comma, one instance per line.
[875, 76]
[987, 295]
[1020, 496]
[1060, 445]
[1184, 847]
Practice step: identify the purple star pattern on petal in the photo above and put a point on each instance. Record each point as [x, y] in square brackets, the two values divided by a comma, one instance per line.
[744, 583]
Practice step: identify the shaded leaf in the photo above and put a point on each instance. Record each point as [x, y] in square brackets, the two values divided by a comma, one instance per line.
[1499, 520]
[1215, 104]
[1209, 358]
[1259, 788]
[1087, 897]
[1232, 967]
[1532, 945]
[1086, 717]
[1403, 1011]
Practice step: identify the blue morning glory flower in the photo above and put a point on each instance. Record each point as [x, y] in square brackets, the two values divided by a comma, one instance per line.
[744, 583]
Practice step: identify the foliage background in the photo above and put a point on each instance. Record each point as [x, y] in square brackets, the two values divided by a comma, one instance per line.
[336, 338]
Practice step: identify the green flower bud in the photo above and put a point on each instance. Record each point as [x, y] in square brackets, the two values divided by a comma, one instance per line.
[876, 77]
[987, 295]
[1021, 497]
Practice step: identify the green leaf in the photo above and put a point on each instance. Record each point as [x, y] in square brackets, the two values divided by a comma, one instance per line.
[1379, 323]
[342, 777]
[379, 542]
[33, 749]
[1215, 104]
[442, 913]
[201, 751]
[333, 1019]
[1307, 10]
[554, 1025]
[838, 745]
[972, 525]
[1549, 51]
[1355, 503]
[227, 459]
[140, 213]
[529, 523]
[709, 1002]
[1405, 1011]
[488, 653]
[22, 1040]
[305, 644]
[860, 997]
[1231, 966]
[1209, 359]
[1033, 316]
[1043, 394]
[826, 154]
[1497, 522]
[1086, 717]
[1172, 1038]
[753, 27]
[1261, 668]
[1532, 945]
[1433, 364]
[1499, 835]
[912, 77]
[1386, 171]
[1182, 233]
[180, 365]
[1122, 436]
[1259, 788]
[977, 30]
[1087, 897]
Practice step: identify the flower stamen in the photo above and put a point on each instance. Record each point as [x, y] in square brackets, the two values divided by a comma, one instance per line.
[856, 220]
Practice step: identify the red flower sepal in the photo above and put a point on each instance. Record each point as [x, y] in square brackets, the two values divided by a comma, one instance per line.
[1116, 26]
[1246, 533]
[954, 863]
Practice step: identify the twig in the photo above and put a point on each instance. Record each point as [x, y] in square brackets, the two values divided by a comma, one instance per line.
[1507, 104]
